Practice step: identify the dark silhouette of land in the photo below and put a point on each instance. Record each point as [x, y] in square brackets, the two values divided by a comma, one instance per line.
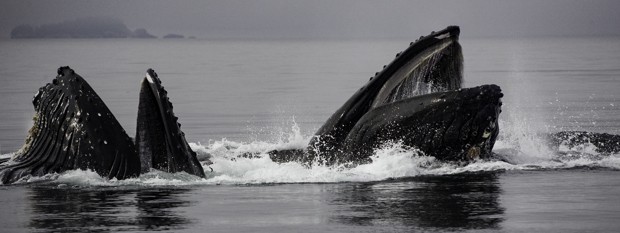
[174, 36]
[91, 27]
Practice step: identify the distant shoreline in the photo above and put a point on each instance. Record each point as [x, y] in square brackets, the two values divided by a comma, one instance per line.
[84, 28]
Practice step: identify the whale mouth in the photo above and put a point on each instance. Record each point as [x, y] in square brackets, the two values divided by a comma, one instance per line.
[429, 66]
[428, 76]
[74, 129]
[160, 142]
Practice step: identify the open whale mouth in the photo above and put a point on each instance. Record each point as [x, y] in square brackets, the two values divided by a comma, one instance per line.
[160, 142]
[416, 99]
[74, 129]
[420, 101]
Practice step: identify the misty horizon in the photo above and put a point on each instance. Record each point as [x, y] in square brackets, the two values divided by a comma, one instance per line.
[346, 19]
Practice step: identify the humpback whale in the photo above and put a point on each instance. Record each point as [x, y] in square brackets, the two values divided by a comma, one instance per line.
[418, 100]
[74, 129]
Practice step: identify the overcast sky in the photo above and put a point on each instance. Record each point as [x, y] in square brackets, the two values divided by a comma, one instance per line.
[331, 18]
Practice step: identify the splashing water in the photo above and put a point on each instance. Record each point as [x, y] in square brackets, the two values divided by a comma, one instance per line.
[522, 150]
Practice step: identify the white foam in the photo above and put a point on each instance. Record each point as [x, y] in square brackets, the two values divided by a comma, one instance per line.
[522, 150]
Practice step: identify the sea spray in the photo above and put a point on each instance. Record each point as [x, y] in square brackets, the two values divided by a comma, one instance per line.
[521, 142]
[230, 166]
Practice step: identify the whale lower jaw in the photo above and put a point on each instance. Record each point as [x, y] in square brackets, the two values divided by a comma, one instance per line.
[456, 125]
[452, 125]
[73, 129]
[161, 143]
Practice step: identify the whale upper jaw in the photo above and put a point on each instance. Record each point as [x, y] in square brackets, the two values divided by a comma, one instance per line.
[431, 64]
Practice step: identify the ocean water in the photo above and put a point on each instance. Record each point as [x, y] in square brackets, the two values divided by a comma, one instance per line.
[256, 95]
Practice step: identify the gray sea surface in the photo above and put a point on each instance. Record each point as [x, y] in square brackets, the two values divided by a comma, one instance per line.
[235, 96]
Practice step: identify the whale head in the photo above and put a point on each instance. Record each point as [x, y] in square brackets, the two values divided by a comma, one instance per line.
[433, 63]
